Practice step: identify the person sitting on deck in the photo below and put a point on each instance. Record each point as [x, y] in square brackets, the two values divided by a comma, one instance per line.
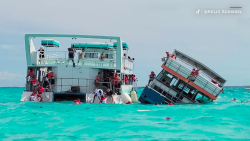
[109, 93]
[78, 101]
[151, 77]
[35, 97]
[98, 93]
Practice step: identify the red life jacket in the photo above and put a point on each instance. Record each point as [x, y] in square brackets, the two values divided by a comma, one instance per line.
[133, 78]
[50, 75]
[193, 72]
[115, 80]
[126, 79]
[31, 73]
[196, 73]
[77, 102]
[128, 102]
[124, 67]
[172, 56]
[168, 54]
[40, 89]
[34, 80]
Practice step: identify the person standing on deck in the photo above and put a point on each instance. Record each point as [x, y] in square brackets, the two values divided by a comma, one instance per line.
[108, 94]
[41, 54]
[72, 54]
[151, 77]
[97, 80]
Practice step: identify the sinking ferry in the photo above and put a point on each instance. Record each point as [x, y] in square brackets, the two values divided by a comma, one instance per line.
[178, 83]
[74, 78]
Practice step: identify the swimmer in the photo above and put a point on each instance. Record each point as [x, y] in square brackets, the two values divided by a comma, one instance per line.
[170, 103]
[128, 102]
[77, 101]
[242, 101]
[156, 104]
[234, 99]
[167, 118]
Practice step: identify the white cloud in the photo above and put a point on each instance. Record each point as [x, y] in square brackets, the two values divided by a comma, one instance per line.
[6, 47]
[8, 79]
[10, 76]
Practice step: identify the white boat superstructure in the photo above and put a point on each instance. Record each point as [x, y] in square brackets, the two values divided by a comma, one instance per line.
[74, 77]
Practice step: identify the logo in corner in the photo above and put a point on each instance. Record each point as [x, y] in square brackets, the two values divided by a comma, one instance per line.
[198, 11]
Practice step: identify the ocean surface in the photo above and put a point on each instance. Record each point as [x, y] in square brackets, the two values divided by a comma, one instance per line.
[220, 120]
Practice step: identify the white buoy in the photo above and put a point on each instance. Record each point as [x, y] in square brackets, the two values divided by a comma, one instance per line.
[125, 98]
[134, 96]
[142, 110]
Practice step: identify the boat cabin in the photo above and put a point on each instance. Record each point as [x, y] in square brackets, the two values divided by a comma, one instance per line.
[178, 83]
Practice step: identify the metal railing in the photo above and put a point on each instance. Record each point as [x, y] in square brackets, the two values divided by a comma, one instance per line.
[61, 57]
[200, 80]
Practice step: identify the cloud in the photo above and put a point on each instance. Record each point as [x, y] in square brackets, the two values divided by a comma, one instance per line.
[10, 76]
[6, 47]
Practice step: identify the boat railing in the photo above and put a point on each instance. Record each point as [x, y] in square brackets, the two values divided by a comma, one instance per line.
[86, 85]
[200, 80]
[61, 58]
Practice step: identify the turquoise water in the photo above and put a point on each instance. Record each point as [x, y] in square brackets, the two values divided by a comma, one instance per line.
[220, 120]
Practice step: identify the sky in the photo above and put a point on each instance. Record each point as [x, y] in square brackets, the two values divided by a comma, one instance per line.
[220, 41]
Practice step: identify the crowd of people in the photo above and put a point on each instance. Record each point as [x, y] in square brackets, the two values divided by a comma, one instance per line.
[36, 88]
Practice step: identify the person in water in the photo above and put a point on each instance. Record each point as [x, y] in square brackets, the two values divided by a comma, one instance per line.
[103, 99]
[98, 93]
[151, 77]
[78, 101]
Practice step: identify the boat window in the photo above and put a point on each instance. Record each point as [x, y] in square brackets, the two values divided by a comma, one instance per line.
[181, 86]
[109, 56]
[186, 89]
[91, 55]
[169, 75]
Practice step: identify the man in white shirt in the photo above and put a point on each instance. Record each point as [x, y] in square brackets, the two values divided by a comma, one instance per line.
[98, 93]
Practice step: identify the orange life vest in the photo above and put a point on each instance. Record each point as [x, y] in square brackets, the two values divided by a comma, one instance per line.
[50, 75]
[31, 73]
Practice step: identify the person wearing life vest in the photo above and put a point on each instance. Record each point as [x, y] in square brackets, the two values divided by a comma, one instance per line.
[108, 94]
[102, 57]
[34, 82]
[173, 56]
[35, 97]
[192, 76]
[40, 89]
[126, 79]
[130, 79]
[151, 77]
[78, 101]
[215, 83]
[196, 73]
[30, 73]
[115, 80]
[133, 77]
[119, 80]
[103, 100]
[168, 55]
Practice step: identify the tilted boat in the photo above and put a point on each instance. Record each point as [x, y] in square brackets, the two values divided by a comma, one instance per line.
[173, 84]
[74, 78]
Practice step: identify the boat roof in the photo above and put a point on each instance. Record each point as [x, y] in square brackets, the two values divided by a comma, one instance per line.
[124, 44]
[92, 45]
[50, 43]
[200, 66]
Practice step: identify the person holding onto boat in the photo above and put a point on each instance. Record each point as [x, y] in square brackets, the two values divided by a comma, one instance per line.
[35, 97]
[119, 81]
[194, 73]
[108, 94]
[40, 89]
[151, 77]
[102, 57]
[98, 93]
[126, 80]
[78, 101]
[30, 73]
[34, 82]
[103, 100]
